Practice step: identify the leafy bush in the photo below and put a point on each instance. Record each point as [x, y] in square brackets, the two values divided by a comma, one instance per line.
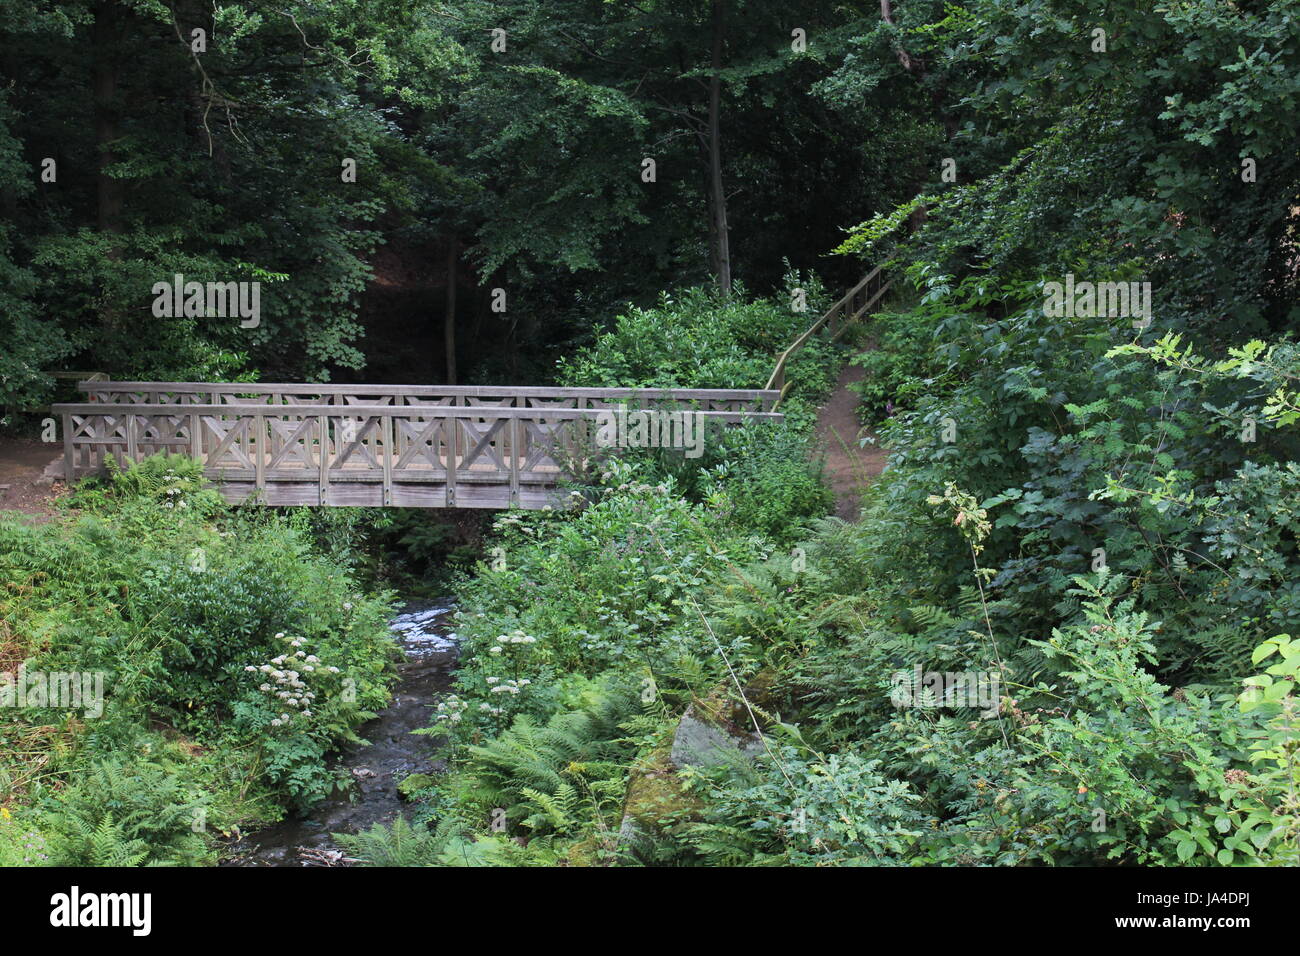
[20, 843]
[180, 601]
[767, 480]
[810, 810]
[120, 814]
[906, 360]
[695, 339]
[572, 597]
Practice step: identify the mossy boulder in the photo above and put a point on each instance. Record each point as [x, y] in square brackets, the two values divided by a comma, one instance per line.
[415, 783]
[711, 734]
[657, 799]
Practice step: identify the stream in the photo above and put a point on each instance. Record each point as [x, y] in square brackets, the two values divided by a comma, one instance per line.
[423, 629]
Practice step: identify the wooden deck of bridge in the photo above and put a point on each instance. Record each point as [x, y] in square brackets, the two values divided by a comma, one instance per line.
[372, 445]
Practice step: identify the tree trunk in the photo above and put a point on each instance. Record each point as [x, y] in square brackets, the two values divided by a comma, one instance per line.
[887, 14]
[108, 191]
[449, 324]
[717, 195]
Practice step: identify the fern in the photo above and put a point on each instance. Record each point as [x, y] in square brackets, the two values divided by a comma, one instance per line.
[403, 844]
[107, 845]
[128, 816]
[557, 810]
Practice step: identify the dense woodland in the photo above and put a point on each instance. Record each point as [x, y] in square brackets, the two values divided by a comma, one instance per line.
[1099, 511]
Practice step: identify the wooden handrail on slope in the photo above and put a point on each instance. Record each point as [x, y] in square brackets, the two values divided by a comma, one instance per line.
[839, 317]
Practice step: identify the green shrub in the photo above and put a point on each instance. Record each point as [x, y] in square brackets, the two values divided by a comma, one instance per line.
[695, 339]
[181, 601]
[810, 810]
[906, 360]
[126, 814]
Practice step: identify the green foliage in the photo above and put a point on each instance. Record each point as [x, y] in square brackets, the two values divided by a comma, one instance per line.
[767, 481]
[811, 810]
[543, 777]
[904, 364]
[117, 814]
[208, 622]
[1259, 812]
[20, 843]
[404, 844]
[695, 339]
[576, 596]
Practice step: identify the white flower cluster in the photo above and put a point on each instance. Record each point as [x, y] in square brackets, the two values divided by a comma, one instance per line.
[289, 686]
[170, 502]
[452, 709]
[619, 476]
[516, 636]
[509, 686]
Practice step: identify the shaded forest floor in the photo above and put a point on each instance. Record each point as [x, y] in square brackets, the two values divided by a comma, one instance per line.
[24, 485]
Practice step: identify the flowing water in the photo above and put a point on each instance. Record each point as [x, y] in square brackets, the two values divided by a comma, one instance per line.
[393, 754]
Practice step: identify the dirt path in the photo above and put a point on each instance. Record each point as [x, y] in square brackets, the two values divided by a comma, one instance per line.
[848, 466]
[24, 486]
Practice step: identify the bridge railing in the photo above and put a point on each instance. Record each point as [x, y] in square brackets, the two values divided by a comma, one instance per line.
[853, 306]
[363, 455]
[260, 393]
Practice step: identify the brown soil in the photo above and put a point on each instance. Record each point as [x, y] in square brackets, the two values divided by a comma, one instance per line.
[849, 466]
[23, 463]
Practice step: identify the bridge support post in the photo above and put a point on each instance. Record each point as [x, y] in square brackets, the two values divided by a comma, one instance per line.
[451, 441]
[386, 427]
[259, 449]
[69, 456]
[323, 424]
[514, 461]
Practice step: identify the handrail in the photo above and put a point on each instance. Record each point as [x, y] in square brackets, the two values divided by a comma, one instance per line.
[103, 409]
[839, 316]
[281, 393]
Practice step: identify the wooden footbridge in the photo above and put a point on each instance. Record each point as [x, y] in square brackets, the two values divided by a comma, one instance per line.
[424, 446]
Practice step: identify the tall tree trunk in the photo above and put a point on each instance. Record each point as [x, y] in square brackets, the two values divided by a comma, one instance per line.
[104, 35]
[449, 324]
[887, 14]
[717, 195]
